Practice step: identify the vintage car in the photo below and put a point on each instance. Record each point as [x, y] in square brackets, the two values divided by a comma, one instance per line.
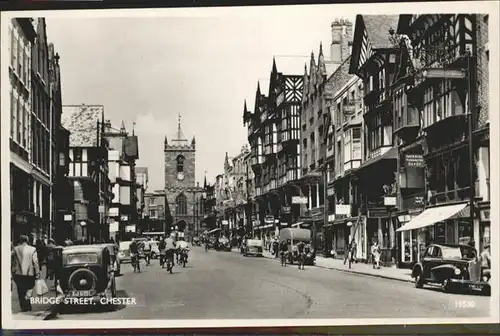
[253, 247]
[196, 241]
[223, 244]
[87, 272]
[294, 236]
[113, 253]
[453, 267]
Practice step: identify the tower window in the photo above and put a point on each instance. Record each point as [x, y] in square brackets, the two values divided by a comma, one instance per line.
[180, 163]
[181, 204]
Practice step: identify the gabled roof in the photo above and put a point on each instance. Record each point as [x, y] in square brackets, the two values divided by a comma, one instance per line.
[371, 32]
[377, 27]
[82, 123]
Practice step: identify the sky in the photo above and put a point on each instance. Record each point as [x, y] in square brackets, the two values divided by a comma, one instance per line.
[200, 63]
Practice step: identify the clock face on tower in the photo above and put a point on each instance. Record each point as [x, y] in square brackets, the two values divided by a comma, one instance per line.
[180, 176]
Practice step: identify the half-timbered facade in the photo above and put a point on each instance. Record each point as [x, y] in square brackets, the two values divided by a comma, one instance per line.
[443, 90]
[373, 61]
[274, 135]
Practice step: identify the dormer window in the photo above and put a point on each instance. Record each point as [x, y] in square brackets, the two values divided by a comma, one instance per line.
[180, 164]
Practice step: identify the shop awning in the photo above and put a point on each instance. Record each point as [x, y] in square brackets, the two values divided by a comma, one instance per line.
[432, 216]
[213, 231]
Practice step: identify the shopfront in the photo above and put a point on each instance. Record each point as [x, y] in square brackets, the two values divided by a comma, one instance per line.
[484, 225]
[445, 224]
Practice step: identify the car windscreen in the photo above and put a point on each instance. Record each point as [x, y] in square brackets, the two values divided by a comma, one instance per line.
[125, 245]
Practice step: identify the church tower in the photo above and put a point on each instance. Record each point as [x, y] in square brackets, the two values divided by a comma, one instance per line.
[180, 184]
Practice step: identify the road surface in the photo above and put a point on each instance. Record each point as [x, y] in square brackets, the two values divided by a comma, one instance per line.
[227, 285]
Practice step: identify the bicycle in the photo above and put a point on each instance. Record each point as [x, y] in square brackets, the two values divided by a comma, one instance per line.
[301, 260]
[147, 257]
[170, 261]
[183, 257]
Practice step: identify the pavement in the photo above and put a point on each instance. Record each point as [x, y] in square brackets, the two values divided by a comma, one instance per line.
[40, 311]
[391, 273]
[227, 285]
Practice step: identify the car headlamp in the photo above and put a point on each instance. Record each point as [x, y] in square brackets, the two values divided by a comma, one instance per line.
[457, 271]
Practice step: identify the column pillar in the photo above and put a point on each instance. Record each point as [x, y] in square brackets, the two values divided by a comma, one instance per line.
[317, 195]
[310, 197]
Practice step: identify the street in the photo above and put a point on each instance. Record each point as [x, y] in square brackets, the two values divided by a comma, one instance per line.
[227, 285]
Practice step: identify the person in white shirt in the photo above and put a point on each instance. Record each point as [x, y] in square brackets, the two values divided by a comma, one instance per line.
[182, 247]
[147, 250]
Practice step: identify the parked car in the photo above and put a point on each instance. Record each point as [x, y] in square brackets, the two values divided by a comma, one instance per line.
[253, 247]
[87, 272]
[114, 258]
[453, 267]
[124, 252]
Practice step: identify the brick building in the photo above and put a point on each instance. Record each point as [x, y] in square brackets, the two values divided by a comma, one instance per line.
[183, 194]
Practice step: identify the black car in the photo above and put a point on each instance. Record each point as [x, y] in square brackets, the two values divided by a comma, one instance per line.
[451, 267]
[87, 271]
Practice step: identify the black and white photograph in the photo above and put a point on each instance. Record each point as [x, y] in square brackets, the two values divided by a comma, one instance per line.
[269, 165]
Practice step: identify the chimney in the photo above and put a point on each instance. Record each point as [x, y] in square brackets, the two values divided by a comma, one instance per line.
[107, 125]
[342, 34]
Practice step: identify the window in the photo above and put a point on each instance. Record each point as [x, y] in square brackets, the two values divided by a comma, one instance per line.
[25, 125]
[77, 155]
[428, 107]
[152, 214]
[20, 57]
[152, 201]
[19, 112]
[14, 50]
[181, 205]
[180, 163]
[62, 159]
[13, 108]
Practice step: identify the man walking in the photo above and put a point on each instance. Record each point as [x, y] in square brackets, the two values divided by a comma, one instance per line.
[25, 270]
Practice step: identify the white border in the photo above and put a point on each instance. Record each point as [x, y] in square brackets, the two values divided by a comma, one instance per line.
[261, 13]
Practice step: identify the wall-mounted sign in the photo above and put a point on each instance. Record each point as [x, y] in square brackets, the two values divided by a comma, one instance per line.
[299, 200]
[102, 209]
[114, 227]
[225, 222]
[414, 160]
[130, 228]
[331, 218]
[68, 218]
[343, 209]
[124, 218]
[485, 215]
[330, 191]
[114, 212]
[287, 209]
[390, 201]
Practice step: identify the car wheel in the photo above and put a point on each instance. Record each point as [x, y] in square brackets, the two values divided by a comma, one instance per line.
[419, 283]
[445, 286]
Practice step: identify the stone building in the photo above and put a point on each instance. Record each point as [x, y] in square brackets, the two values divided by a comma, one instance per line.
[154, 212]
[183, 194]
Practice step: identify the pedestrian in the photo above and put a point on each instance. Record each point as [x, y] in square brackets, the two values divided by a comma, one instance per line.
[276, 248]
[50, 259]
[41, 252]
[25, 270]
[376, 254]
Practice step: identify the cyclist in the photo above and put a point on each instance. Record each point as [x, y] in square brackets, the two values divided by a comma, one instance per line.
[301, 257]
[283, 252]
[161, 247]
[169, 252]
[182, 250]
[134, 254]
[147, 250]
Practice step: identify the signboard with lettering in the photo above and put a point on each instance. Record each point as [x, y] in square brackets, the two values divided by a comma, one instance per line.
[225, 222]
[330, 191]
[414, 160]
[114, 212]
[343, 209]
[299, 200]
[287, 209]
[68, 218]
[390, 201]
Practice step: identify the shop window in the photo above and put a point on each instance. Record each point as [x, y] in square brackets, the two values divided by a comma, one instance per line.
[465, 234]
